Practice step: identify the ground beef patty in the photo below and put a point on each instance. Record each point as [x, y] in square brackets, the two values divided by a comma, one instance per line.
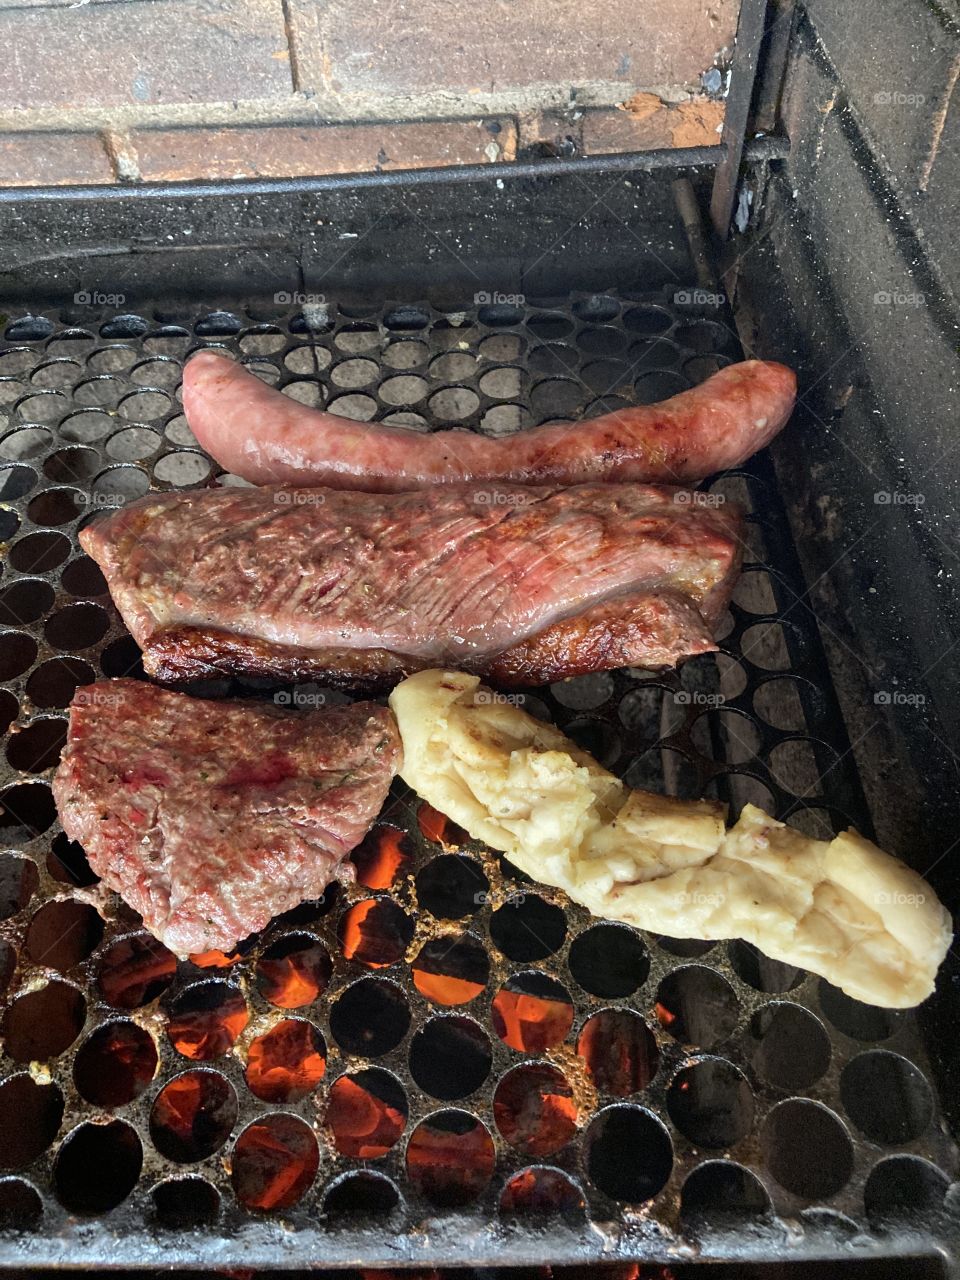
[210, 818]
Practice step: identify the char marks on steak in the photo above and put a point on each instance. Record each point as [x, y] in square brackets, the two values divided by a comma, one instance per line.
[525, 585]
[262, 435]
[209, 818]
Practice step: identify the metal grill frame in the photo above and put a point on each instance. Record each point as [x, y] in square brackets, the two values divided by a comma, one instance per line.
[128, 1235]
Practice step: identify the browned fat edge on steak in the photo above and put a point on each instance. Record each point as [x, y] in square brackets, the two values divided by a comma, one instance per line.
[182, 654]
[651, 631]
[209, 818]
[519, 585]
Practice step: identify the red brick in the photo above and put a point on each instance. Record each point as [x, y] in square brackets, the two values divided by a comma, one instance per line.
[53, 159]
[651, 124]
[410, 46]
[280, 151]
[143, 51]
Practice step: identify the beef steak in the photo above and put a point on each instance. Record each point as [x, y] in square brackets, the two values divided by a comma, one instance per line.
[209, 818]
[524, 585]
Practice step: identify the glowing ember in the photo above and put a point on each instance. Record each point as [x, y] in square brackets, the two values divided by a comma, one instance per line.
[450, 1157]
[532, 1013]
[620, 1051]
[444, 990]
[215, 959]
[135, 971]
[375, 933]
[293, 971]
[451, 969]
[367, 1113]
[286, 1063]
[541, 1191]
[193, 1115]
[665, 1016]
[274, 1162]
[206, 1020]
[535, 1110]
[438, 828]
[381, 857]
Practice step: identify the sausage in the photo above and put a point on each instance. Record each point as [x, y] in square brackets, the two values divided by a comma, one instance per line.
[263, 436]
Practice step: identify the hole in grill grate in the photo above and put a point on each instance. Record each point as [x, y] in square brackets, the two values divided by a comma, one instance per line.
[450, 1057]
[535, 1109]
[206, 1019]
[185, 1202]
[287, 1062]
[653, 1049]
[629, 1155]
[98, 1166]
[366, 1113]
[115, 1064]
[293, 971]
[450, 1158]
[367, 1194]
[30, 1114]
[193, 1115]
[274, 1162]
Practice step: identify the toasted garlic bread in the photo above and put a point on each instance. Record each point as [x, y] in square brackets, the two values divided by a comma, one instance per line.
[841, 908]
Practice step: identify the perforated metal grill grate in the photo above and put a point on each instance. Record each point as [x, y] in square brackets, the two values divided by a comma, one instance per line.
[447, 1039]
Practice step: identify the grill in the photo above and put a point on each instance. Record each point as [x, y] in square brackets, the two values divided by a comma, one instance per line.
[447, 1063]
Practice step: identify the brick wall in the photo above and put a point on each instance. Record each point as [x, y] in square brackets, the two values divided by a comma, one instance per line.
[164, 90]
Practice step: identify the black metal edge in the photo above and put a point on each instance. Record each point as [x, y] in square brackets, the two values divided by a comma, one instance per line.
[913, 248]
[750, 33]
[457, 1241]
[758, 150]
[774, 55]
